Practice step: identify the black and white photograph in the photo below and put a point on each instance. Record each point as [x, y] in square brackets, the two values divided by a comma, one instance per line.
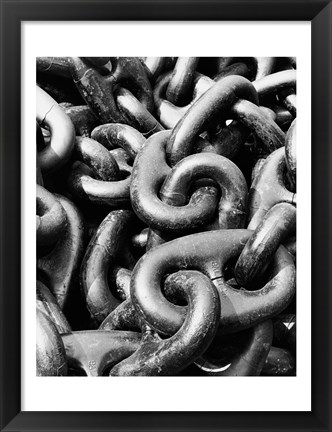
[165, 226]
[166, 216]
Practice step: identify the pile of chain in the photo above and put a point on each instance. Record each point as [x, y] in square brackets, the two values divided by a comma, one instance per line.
[166, 216]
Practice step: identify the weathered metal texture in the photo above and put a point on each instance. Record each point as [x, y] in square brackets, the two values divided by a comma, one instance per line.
[124, 161]
[159, 65]
[124, 317]
[93, 351]
[149, 171]
[47, 304]
[96, 90]
[97, 158]
[227, 176]
[268, 188]
[59, 268]
[57, 153]
[82, 118]
[212, 107]
[290, 153]
[275, 82]
[51, 218]
[214, 307]
[209, 252]
[277, 224]
[258, 66]
[228, 140]
[204, 167]
[279, 362]
[120, 277]
[258, 121]
[98, 178]
[250, 359]
[167, 112]
[102, 252]
[100, 192]
[114, 135]
[54, 65]
[50, 355]
[135, 112]
[130, 73]
[180, 85]
[157, 356]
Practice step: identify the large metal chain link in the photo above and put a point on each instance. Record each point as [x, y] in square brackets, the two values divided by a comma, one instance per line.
[166, 216]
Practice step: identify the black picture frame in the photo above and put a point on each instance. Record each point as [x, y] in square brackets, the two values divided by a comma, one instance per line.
[319, 12]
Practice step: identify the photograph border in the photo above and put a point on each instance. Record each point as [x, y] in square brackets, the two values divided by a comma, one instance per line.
[12, 14]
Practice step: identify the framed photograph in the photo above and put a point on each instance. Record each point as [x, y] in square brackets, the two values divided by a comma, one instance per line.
[172, 206]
